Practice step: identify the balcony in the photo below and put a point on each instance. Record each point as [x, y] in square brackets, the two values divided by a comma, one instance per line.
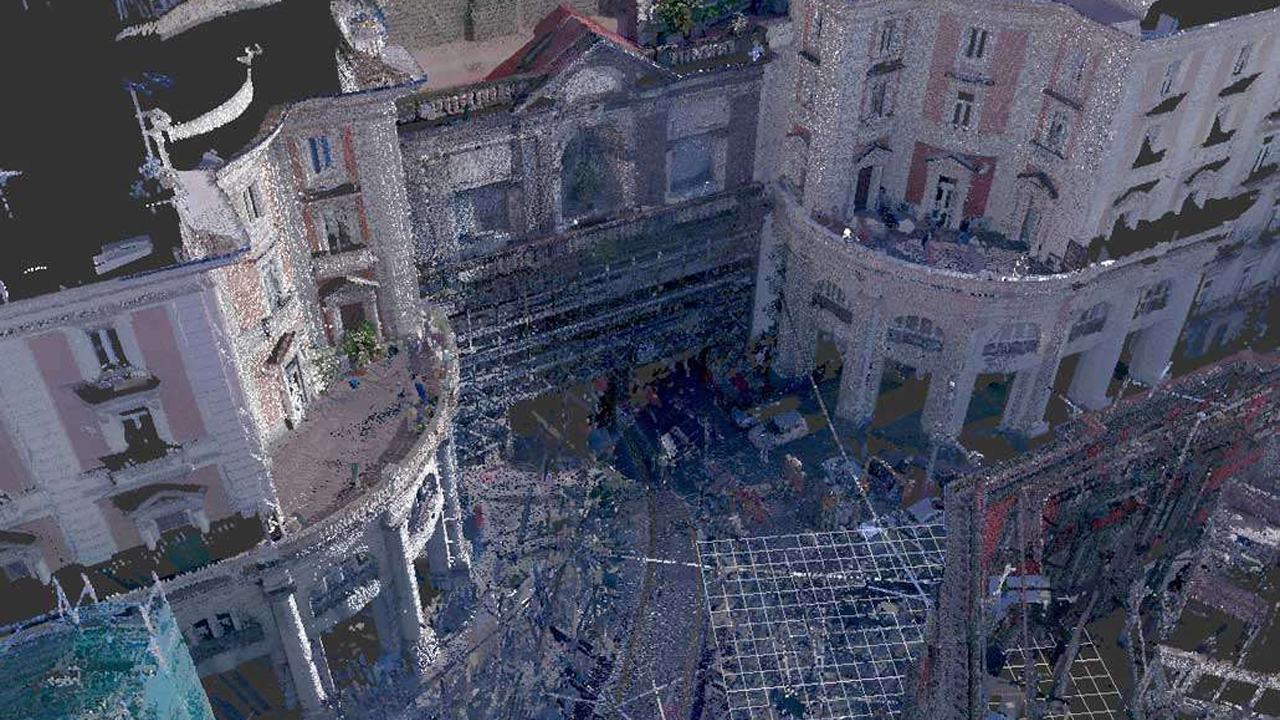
[156, 461]
[1147, 157]
[248, 633]
[342, 262]
[116, 383]
[353, 434]
[1217, 136]
[1168, 105]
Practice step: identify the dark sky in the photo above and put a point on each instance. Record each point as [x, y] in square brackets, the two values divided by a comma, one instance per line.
[70, 127]
[1200, 12]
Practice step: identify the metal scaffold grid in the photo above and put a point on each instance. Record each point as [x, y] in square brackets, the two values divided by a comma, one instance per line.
[819, 625]
[1092, 693]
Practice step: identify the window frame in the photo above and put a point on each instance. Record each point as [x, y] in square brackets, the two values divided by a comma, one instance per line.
[135, 416]
[963, 109]
[105, 340]
[1264, 153]
[1057, 131]
[1073, 81]
[320, 162]
[888, 37]
[977, 44]
[708, 142]
[252, 202]
[880, 98]
[273, 289]
[1171, 73]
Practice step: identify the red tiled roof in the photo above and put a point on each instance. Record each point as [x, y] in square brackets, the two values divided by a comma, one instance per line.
[554, 40]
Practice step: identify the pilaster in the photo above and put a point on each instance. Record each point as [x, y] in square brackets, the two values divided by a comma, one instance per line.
[863, 366]
[281, 594]
[1097, 365]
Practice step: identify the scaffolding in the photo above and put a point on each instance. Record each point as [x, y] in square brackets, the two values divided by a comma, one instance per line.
[103, 660]
[820, 625]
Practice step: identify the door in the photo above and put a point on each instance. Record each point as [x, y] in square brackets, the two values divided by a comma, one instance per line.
[863, 189]
[943, 200]
[352, 316]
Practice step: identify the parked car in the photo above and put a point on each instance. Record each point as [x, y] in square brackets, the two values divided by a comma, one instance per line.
[779, 430]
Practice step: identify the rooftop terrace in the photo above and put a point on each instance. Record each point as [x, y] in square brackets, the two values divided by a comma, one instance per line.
[352, 433]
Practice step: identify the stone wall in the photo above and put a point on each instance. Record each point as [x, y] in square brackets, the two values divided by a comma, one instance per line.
[424, 23]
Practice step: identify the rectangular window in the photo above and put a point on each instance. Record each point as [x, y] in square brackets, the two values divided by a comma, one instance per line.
[879, 104]
[106, 344]
[1242, 60]
[1074, 77]
[815, 33]
[335, 231]
[1056, 132]
[963, 113]
[252, 203]
[172, 521]
[139, 430]
[203, 630]
[273, 285]
[1170, 77]
[225, 623]
[1264, 154]
[887, 31]
[321, 155]
[976, 47]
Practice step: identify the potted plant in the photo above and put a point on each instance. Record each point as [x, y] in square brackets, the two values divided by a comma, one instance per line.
[360, 345]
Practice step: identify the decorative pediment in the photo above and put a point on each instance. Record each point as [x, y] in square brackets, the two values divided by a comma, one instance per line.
[601, 71]
[1041, 181]
[956, 164]
[159, 496]
[876, 151]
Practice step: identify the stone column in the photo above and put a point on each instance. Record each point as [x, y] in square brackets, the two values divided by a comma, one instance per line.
[1097, 365]
[1153, 346]
[386, 615]
[321, 660]
[280, 664]
[950, 389]
[863, 367]
[280, 592]
[1029, 397]
[797, 331]
[459, 550]
[401, 588]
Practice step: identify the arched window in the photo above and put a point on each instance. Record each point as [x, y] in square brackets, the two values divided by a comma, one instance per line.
[917, 332]
[1090, 321]
[1013, 339]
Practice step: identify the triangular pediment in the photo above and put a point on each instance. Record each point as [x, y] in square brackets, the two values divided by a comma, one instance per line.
[602, 71]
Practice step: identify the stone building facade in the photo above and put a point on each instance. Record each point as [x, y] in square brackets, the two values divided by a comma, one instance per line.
[1023, 138]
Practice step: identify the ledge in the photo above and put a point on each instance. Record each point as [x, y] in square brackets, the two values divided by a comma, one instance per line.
[347, 188]
[885, 67]
[96, 393]
[1073, 104]
[1168, 105]
[1261, 175]
[973, 79]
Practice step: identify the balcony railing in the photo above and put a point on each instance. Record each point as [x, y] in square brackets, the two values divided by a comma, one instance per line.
[116, 383]
[338, 593]
[154, 460]
[1086, 328]
[248, 633]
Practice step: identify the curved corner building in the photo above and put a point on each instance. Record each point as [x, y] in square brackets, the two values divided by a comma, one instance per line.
[1019, 187]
